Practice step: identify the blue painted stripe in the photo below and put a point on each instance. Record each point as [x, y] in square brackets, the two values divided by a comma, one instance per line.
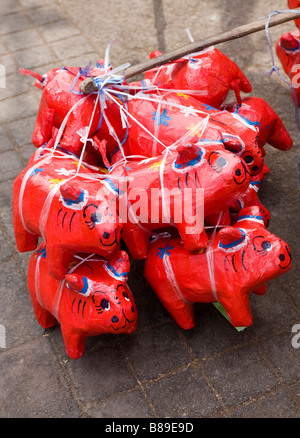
[236, 242]
[116, 273]
[250, 216]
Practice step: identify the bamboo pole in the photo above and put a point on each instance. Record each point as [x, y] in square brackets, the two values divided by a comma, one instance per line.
[88, 85]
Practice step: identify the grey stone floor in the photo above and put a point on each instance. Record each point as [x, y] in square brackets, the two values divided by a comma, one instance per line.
[158, 371]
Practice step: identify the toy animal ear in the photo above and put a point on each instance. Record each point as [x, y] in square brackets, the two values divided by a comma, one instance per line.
[119, 266]
[289, 42]
[230, 237]
[188, 155]
[68, 191]
[250, 215]
[101, 146]
[78, 283]
[232, 143]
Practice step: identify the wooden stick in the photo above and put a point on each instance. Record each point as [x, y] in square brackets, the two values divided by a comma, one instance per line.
[88, 85]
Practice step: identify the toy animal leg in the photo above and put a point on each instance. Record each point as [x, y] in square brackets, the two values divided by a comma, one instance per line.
[136, 240]
[43, 127]
[238, 309]
[58, 260]
[192, 242]
[44, 318]
[25, 241]
[71, 140]
[74, 343]
[215, 219]
[181, 311]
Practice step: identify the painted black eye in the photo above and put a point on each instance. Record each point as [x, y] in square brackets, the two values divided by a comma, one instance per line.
[249, 159]
[126, 296]
[221, 162]
[96, 217]
[92, 215]
[216, 161]
[266, 245]
[105, 304]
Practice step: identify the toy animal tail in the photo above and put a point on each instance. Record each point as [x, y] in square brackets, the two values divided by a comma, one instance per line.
[35, 75]
[241, 84]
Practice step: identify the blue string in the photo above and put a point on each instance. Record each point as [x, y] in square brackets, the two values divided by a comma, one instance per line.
[85, 71]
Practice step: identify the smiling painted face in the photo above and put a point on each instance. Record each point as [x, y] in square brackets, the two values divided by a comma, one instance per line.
[109, 301]
[93, 215]
[252, 252]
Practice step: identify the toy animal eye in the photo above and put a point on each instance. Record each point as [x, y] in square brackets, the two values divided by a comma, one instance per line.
[126, 296]
[96, 217]
[249, 159]
[266, 245]
[262, 246]
[92, 215]
[217, 162]
[105, 304]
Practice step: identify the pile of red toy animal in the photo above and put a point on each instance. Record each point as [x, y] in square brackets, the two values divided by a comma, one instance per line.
[161, 167]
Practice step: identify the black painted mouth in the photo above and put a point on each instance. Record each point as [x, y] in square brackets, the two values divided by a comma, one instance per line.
[282, 258]
[126, 320]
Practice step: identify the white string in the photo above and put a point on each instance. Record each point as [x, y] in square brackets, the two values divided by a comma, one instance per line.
[210, 260]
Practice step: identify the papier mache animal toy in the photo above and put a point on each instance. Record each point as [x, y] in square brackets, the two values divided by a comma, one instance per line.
[270, 128]
[173, 118]
[208, 76]
[293, 4]
[117, 164]
[64, 201]
[222, 177]
[287, 50]
[238, 260]
[62, 99]
[92, 299]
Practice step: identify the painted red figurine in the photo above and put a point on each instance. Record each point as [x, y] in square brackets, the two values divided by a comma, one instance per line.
[62, 98]
[239, 259]
[293, 4]
[91, 300]
[221, 176]
[208, 76]
[158, 123]
[71, 211]
[271, 130]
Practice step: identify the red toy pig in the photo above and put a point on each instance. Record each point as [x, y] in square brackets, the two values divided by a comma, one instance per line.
[287, 50]
[175, 118]
[208, 76]
[293, 4]
[221, 176]
[62, 100]
[73, 212]
[92, 299]
[271, 130]
[239, 259]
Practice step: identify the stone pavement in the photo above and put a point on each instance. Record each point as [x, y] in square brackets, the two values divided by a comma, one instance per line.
[159, 371]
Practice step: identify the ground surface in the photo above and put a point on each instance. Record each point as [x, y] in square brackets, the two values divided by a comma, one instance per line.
[160, 370]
